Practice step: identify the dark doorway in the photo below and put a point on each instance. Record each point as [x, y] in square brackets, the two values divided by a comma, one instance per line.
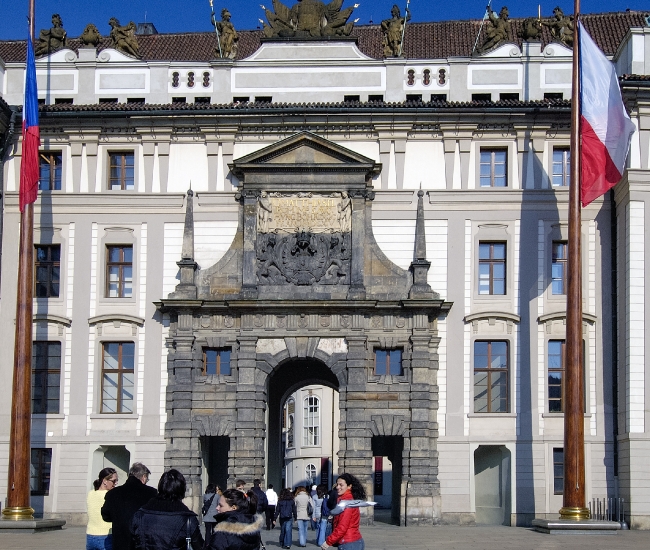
[388, 449]
[214, 452]
[492, 485]
[285, 380]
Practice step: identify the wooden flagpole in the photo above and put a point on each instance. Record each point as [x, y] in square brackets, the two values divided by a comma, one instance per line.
[18, 488]
[574, 499]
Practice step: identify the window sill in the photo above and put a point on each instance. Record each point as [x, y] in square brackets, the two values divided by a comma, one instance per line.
[560, 415]
[492, 415]
[47, 416]
[119, 416]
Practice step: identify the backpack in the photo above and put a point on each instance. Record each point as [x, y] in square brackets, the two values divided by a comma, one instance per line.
[207, 504]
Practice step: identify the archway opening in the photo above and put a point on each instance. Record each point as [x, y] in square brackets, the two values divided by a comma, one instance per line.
[303, 417]
[387, 477]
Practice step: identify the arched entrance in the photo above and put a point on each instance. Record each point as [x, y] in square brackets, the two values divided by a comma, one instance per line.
[286, 379]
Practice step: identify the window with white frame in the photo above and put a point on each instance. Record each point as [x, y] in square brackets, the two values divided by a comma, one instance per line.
[561, 167]
[118, 377]
[310, 473]
[311, 421]
[494, 167]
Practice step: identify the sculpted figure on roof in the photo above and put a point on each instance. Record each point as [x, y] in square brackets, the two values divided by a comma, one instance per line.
[51, 40]
[392, 30]
[561, 27]
[307, 19]
[228, 36]
[91, 35]
[532, 29]
[499, 31]
[124, 39]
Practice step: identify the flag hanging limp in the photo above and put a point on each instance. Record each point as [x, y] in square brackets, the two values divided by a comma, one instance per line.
[605, 127]
[29, 166]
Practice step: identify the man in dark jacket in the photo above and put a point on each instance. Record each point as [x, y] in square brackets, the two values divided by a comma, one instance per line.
[262, 501]
[121, 504]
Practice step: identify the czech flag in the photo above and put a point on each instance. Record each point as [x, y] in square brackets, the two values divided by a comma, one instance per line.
[29, 166]
[605, 127]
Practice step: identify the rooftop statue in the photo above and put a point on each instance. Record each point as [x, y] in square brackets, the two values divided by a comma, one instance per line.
[308, 19]
[51, 40]
[228, 36]
[392, 30]
[90, 36]
[124, 39]
[499, 32]
[561, 27]
[532, 29]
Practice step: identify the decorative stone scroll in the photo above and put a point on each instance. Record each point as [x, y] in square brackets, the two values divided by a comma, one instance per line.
[316, 213]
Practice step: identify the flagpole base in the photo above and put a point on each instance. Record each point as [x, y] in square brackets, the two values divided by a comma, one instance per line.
[574, 513]
[18, 512]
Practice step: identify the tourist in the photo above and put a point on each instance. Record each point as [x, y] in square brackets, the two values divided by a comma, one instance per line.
[303, 503]
[286, 511]
[209, 510]
[240, 485]
[238, 526]
[165, 522]
[317, 499]
[345, 532]
[272, 499]
[262, 501]
[98, 531]
[324, 512]
[123, 502]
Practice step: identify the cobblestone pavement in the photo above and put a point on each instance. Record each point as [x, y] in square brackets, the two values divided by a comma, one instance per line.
[387, 537]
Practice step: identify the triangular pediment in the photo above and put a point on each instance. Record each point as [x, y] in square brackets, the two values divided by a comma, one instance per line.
[302, 151]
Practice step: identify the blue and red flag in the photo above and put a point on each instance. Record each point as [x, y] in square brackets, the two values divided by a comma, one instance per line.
[29, 166]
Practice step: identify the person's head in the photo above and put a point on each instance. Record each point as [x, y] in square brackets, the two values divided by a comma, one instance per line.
[218, 489]
[210, 489]
[270, 486]
[286, 494]
[172, 485]
[395, 11]
[233, 499]
[106, 480]
[347, 482]
[241, 485]
[140, 471]
[300, 489]
[257, 482]
[321, 490]
[504, 13]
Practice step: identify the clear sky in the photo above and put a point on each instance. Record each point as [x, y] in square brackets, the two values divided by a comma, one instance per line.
[194, 15]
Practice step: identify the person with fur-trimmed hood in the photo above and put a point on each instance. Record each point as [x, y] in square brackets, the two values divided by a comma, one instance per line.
[238, 526]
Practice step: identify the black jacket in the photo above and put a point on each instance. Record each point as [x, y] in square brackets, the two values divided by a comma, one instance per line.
[285, 509]
[164, 525]
[119, 507]
[262, 501]
[237, 530]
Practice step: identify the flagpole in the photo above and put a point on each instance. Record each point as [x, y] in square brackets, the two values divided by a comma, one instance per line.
[574, 496]
[18, 487]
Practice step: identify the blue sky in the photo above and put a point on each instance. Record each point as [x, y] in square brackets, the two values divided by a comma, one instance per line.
[194, 15]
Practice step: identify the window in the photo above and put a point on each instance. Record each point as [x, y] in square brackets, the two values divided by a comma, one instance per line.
[494, 171]
[492, 268]
[561, 166]
[50, 171]
[107, 100]
[46, 377]
[135, 100]
[559, 268]
[179, 100]
[388, 361]
[555, 376]
[554, 96]
[351, 98]
[491, 367]
[216, 361]
[201, 100]
[118, 360]
[310, 473]
[121, 172]
[558, 471]
[47, 267]
[375, 98]
[263, 99]
[291, 409]
[41, 464]
[481, 97]
[311, 421]
[63, 101]
[119, 271]
[509, 97]
[438, 97]
[416, 98]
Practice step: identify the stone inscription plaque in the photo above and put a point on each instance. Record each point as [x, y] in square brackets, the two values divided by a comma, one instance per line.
[317, 213]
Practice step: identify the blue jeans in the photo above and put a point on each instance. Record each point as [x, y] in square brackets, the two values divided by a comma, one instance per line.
[303, 525]
[321, 530]
[99, 542]
[286, 527]
[356, 545]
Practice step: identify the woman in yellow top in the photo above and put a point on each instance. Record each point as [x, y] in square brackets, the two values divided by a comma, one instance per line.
[98, 532]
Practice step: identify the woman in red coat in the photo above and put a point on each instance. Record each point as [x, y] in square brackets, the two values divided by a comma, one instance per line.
[345, 530]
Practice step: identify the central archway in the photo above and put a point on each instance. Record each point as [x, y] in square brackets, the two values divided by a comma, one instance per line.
[287, 378]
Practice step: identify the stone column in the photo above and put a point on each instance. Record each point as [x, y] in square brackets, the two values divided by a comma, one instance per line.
[357, 289]
[246, 458]
[249, 271]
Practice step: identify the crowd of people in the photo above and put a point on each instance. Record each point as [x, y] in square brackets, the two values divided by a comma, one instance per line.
[135, 516]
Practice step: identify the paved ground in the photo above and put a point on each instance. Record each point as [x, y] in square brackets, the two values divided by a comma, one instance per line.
[386, 537]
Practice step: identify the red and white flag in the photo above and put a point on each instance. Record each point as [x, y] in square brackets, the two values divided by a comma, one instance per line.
[605, 127]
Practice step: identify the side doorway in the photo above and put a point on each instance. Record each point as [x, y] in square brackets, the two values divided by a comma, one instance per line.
[492, 490]
[387, 475]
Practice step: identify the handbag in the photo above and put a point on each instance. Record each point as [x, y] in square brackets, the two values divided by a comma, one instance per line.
[310, 509]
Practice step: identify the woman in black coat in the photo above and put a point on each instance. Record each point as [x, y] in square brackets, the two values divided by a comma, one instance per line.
[238, 526]
[165, 522]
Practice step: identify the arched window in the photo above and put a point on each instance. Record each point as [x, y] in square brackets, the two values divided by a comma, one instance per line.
[311, 421]
[310, 474]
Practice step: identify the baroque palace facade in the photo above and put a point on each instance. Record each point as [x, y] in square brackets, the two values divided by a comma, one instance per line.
[392, 227]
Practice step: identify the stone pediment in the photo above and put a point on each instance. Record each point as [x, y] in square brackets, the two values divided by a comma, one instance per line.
[304, 153]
